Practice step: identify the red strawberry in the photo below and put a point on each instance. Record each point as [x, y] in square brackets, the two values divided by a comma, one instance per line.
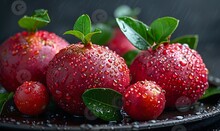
[26, 55]
[179, 70]
[176, 68]
[119, 43]
[78, 67]
[82, 66]
[31, 98]
[144, 100]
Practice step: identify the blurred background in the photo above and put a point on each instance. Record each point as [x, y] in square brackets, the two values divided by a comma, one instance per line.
[200, 17]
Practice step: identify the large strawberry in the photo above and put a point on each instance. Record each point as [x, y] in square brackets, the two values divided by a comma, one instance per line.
[26, 55]
[82, 66]
[179, 70]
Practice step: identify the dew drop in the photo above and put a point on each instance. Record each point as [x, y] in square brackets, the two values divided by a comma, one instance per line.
[27, 90]
[179, 117]
[177, 66]
[68, 97]
[124, 28]
[59, 93]
[183, 63]
[191, 76]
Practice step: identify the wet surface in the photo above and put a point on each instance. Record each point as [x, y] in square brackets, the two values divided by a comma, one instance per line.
[202, 113]
[56, 119]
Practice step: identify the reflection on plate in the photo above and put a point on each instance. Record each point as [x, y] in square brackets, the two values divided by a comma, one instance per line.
[202, 112]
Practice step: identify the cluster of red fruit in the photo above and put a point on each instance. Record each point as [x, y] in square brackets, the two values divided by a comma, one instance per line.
[159, 76]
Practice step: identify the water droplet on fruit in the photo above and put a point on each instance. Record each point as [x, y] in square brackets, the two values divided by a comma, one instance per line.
[59, 93]
[174, 75]
[84, 69]
[109, 60]
[186, 45]
[101, 66]
[164, 52]
[177, 66]
[27, 90]
[36, 52]
[106, 72]
[183, 63]
[68, 97]
[203, 78]
[14, 52]
[24, 53]
[108, 65]
[191, 75]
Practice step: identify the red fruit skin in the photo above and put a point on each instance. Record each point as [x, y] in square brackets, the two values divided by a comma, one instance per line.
[25, 56]
[179, 70]
[31, 98]
[119, 43]
[78, 67]
[144, 100]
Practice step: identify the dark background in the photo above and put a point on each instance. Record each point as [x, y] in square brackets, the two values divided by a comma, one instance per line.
[200, 17]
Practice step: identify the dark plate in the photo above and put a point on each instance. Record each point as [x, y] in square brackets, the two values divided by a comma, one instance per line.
[201, 114]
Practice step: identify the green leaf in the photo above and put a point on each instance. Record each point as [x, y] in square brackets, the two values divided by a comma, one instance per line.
[89, 35]
[210, 92]
[82, 29]
[83, 24]
[39, 19]
[105, 36]
[4, 97]
[125, 10]
[191, 40]
[135, 31]
[162, 28]
[104, 103]
[129, 56]
[76, 33]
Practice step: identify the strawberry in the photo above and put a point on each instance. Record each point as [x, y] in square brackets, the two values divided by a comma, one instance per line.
[175, 67]
[83, 66]
[26, 55]
[144, 100]
[119, 43]
[31, 98]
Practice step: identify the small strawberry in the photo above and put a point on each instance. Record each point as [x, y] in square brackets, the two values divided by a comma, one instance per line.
[26, 55]
[176, 68]
[82, 66]
[31, 98]
[144, 100]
